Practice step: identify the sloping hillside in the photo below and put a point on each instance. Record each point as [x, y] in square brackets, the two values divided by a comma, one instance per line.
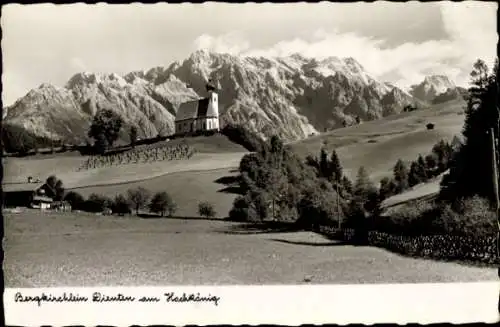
[213, 152]
[377, 145]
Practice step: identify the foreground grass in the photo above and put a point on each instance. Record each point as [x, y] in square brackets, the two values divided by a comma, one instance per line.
[68, 249]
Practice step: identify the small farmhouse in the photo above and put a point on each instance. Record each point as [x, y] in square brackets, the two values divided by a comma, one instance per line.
[199, 115]
[41, 202]
[35, 195]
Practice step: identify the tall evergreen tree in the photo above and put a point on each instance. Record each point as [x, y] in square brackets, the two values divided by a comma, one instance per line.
[443, 152]
[323, 163]
[347, 187]
[430, 164]
[401, 176]
[336, 168]
[387, 188]
[471, 170]
[422, 171]
[363, 187]
[133, 136]
[413, 175]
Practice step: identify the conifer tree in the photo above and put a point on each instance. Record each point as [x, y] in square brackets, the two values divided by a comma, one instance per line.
[413, 175]
[323, 163]
[422, 171]
[336, 168]
[364, 188]
[401, 176]
[471, 170]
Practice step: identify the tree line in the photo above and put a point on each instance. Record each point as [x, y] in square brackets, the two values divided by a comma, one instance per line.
[133, 201]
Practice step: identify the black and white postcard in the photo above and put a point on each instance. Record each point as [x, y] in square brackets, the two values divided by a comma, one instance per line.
[251, 163]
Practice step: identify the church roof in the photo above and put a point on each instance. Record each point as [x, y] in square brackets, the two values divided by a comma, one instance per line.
[192, 109]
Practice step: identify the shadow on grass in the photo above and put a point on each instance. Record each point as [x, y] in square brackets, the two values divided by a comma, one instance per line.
[231, 183]
[259, 228]
[338, 243]
[228, 180]
[232, 190]
[153, 216]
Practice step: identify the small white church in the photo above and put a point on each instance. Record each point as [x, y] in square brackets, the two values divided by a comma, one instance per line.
[199, 115]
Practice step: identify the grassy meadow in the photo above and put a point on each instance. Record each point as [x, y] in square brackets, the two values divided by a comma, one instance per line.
[76, 249]
[213, 152]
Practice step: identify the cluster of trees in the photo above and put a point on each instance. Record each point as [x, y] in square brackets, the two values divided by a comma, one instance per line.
[134, 200]
[273, 180]
[419, 171]
[17, 140]
[57, 186]
[277, 185]
[466, 205]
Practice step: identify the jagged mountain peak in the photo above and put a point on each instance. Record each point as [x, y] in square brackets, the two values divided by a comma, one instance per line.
[86, 78]
[432, 87]
[291, 96]
[438, 79]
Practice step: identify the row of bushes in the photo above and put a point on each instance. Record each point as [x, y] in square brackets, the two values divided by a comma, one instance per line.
[449, 247]
[135, 199]
[472, 216]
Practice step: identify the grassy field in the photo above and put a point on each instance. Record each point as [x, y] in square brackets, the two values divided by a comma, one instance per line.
[186, 188]
[217, 143]
[377, 145]
[57, 250]
[124, 173]
[212, 152]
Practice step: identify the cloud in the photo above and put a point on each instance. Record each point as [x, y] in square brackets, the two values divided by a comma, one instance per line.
[232, 43]
[77, 64]
[471, 27]
[471, 35]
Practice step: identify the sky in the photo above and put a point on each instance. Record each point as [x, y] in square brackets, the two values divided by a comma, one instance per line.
[399, 43]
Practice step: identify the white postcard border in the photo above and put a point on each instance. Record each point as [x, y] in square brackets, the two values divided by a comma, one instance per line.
[284, 305]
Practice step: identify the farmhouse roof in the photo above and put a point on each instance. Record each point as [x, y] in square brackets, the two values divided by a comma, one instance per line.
[42, 198]
[21, 187]
[192, 109]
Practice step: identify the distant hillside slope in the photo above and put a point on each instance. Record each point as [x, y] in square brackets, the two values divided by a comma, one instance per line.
[377, 145]
[292, 97]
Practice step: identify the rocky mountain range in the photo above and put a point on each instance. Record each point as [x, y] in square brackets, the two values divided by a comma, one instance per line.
[292, 96]
[435, 89]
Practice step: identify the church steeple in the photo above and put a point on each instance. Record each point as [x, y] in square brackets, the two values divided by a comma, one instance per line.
[210, 86]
